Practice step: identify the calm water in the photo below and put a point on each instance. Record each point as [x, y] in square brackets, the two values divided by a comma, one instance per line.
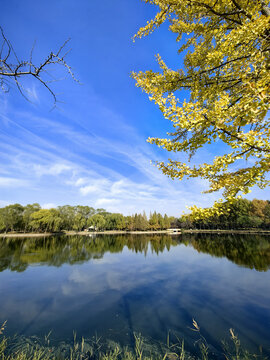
[117, 285]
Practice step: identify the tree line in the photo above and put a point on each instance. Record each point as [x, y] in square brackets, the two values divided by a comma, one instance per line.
[242, 214]
[32, 218]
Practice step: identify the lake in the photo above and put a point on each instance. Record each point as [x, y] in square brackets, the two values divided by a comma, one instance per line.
[114, 285]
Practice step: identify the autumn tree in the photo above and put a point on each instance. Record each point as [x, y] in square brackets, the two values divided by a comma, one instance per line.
[226, 71]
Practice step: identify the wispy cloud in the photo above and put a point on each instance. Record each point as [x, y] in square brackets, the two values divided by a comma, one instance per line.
[55, 169]
[12, 182]
[65, 158]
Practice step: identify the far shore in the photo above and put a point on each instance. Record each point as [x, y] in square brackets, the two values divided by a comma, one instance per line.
[116, 232]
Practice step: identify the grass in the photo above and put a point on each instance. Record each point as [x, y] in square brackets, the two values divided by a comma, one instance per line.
[34, 348]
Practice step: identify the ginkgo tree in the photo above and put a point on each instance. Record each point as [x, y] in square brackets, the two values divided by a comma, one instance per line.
[226, 70]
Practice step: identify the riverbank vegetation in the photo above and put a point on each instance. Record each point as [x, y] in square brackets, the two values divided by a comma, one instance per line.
[31, 218]
[33, 348]
[243, 214]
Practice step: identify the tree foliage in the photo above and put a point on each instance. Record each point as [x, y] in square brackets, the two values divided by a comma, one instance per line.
[97, 221]
[46, 220]
[242, 214]
[79, 218]
[11, 217]
[226, 48]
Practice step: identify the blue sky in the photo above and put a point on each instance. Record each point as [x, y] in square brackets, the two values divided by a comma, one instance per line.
[92, 148]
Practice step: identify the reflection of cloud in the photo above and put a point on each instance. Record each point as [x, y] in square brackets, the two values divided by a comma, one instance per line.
[170, 289]
[117, 281]
[84, 282]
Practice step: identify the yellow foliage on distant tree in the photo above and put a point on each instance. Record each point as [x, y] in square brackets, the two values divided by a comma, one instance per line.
[227, 73]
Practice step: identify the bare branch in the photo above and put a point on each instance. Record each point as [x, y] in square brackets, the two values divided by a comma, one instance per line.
[13, 68]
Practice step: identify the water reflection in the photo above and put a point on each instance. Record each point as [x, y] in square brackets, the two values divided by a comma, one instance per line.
[117, 285]
[16, 254]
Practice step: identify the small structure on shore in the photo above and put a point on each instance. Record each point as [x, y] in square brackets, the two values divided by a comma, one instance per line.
[176, 230]
[91, 228]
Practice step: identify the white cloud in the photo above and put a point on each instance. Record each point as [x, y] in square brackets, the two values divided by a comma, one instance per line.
[80, 182]
[104, 201]
[4, 203]
[12, 182]
[32, 94]
[98, 187]
[89, 189]
[68, 158]
[49, 206]
[54, 170]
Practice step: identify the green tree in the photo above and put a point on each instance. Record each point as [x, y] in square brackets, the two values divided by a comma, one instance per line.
[2, 223]
[46, 220]
[129, 223]
[226, 49]
[140, 222]
[79, 222]
[115, 222]
[153, 221]
[98, 221]
[67, 213]
[267, 215]
[167, 222]
[11, 218]
[28, 210]
[85, 211]
[161, 224]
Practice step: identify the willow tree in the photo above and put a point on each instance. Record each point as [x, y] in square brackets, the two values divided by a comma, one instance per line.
[226, 70]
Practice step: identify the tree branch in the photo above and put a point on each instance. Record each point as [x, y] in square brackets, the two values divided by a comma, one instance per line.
[19, 69]
[254, 147]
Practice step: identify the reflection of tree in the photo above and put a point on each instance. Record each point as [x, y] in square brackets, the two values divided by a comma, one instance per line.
[16, 254]
[252, 251]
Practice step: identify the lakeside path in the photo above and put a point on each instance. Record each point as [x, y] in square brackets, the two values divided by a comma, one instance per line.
[116, 232]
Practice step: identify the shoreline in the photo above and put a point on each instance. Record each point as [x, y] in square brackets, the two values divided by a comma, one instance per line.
[139, 232]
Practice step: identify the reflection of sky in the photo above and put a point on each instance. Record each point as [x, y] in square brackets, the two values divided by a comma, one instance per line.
[127, 292]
